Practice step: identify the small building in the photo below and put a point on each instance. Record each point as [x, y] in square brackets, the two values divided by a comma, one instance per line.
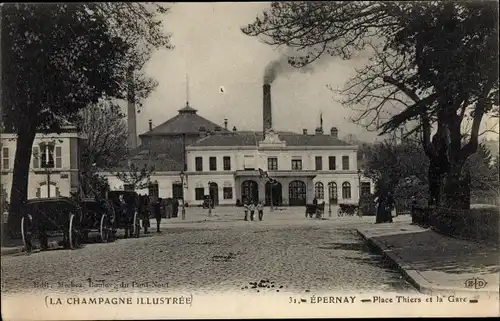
[54, 165]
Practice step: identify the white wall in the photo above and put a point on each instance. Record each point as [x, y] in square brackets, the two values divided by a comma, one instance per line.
[37, 177]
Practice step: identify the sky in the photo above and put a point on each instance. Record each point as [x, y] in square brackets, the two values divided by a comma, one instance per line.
[211, 49]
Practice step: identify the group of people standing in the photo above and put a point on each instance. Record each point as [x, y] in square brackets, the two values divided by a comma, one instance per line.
[252, 207]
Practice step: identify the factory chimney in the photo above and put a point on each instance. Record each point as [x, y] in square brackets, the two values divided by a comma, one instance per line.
[131, 115]
[267, 111]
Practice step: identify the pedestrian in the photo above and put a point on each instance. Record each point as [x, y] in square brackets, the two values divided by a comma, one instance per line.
[145, 212]
[260, 210]
[246, 208]
[252, 210]
[158, 210]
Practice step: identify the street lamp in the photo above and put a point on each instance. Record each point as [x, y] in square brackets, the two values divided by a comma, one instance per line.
[359, 184]
[47, 162]
[210, 203]
[182, 175]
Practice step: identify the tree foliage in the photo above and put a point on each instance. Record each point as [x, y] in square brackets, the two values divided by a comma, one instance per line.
[105, 130]
[434, 64]
[136, 175]
[389, 164]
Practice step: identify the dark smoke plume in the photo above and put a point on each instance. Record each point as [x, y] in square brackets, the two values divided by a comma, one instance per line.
[280, 67]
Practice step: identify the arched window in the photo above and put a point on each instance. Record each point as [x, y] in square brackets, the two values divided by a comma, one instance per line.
[319, 190]
[346, 190]
[332, 192]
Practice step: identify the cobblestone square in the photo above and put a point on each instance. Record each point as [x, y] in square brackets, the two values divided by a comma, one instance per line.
[218, 253]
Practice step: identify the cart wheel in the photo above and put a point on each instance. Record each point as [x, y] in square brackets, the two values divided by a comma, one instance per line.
[74, 241]
[339, 212]
[137, 227]
[26, 234]
[104, 229]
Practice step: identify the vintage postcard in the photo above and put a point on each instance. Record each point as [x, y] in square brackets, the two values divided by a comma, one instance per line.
[249, 160]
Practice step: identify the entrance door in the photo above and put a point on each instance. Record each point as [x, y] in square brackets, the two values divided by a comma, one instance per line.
[332, 193]
[177, 191]
[249, 191]
[297, 193]
[214, 193]
[276, 195]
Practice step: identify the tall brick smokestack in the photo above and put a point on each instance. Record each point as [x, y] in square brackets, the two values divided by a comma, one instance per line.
[267, 111]
[131, 113]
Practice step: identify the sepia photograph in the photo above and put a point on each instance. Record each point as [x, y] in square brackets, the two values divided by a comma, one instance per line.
[292, 159]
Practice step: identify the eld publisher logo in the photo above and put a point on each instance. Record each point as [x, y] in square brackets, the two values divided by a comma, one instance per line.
[475, 283]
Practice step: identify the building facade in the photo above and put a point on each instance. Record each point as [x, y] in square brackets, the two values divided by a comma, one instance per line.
[54, 164]
[225, 165]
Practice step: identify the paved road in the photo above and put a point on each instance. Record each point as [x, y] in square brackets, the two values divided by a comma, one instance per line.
[224, 253]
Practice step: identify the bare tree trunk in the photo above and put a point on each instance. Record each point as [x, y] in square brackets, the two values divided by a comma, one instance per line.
[19, 190]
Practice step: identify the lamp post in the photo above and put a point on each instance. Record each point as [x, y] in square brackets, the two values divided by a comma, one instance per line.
[359, 184]
[47, 162]
[210, 204]
[182, 175]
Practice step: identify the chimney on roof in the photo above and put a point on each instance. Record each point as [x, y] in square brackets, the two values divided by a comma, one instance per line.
[131, 113]
[304, 131]
[319, 131]
[225, 123]
[150, 125]
[202, 131]
[267, 111]
[234, 128]
[334, 132]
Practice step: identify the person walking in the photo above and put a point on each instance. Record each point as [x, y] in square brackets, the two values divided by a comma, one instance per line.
[145, 212]
[246, 208]
[260, 210]
[157, 212]
[252, 210]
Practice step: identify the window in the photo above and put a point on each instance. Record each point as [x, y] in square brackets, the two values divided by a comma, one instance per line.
[38, 192]
[227, 163]
[346, 190]
[332, 192]
[47, 156]
[319, 190]
[345, 163]
[212, 163]
[365, 188]
[128, 187]
[58, 157]
[228, 193]
[331, 163]
[153, 189]
[5, 158]
[296, 164]
[272, 164]
[36, 157]
[319, 163]
[199, 193]
[58, 192]
[198, 164]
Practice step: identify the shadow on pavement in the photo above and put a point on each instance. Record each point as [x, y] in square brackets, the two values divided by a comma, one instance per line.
[432, 251]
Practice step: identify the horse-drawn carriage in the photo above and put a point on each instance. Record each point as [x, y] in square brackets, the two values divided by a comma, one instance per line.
[347, 209]
[315, 209]
[126, 214]
[51, 217]
[97, 216]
